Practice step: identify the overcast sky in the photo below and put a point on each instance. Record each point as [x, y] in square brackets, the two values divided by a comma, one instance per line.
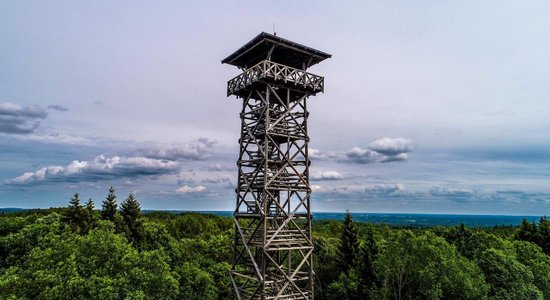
[429, 106]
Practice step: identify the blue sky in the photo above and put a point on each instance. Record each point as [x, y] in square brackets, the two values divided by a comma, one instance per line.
[430, 106]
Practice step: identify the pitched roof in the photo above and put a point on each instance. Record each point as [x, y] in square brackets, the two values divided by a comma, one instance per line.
[285, 52]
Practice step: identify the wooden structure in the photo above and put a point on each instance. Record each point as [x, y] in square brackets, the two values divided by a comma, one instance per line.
[272, 250]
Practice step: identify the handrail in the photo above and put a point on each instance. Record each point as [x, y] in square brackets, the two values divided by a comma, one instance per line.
[276, 71]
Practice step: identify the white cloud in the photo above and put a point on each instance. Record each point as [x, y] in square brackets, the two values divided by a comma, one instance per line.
[341, 189]
[362, 156]
[452, 192]
[385, 189]
[391, 146]
[101, 168]
[326, 175]
[189, 189]
[58, 138]
[315, 187]
[198, 149]
[321, 155]
[382, 150]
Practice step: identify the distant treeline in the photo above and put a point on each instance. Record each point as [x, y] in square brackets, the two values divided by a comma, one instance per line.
[118, 252]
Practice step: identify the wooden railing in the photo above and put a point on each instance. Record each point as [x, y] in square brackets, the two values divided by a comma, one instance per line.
[277, 72]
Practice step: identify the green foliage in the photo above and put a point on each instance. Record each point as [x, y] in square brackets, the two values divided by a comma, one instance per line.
[349, 244]
[195, 284]
[426, 267]
[130, 211]
[536, 233]
[70, 253]
[99, 265]
[326, 262]
[75, 216]
[346, 287]
[527, 232]
[80, 218]
[192, 225]
[15, 246]
[14, 224]
[472, 244]
[50, 257]
[538, 263]
[154, 236]
[90, 217]
[368, 254]
[508, 279]
[109, 206]
[543, 235]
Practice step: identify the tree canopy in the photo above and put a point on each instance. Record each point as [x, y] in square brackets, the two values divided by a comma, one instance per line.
[73, 253]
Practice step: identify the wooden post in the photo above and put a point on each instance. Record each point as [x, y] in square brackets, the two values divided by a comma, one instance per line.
[273, 247]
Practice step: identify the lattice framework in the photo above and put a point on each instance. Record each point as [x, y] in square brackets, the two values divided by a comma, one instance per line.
[273, 248]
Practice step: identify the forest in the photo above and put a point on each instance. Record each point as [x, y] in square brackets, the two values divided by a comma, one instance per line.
[119, 252]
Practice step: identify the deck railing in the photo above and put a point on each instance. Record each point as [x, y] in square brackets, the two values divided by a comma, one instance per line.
[277, 72]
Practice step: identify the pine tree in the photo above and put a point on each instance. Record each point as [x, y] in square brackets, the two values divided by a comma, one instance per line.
[74, 215]
[543, 234]
[131, 214]
[349, 244]
[527, 231]
[109, 206]
[89, 216]
[368, 253]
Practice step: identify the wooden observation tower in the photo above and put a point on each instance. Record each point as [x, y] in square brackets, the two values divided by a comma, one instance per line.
[272, 250]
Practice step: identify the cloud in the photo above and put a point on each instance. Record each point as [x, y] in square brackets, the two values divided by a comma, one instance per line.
[17, 119]
[452, 192]
[321, 155]
[57, 138]
[220, 167]
[199, 149]
[458, 195]
[391, 147]
[101, 168]
[340, 189]
[362, 156]
[217, 179]
[382, 150]
[327, 175]
[315, 187]
[396, 189]
[57, 107]
[189, 189]
[521, 196]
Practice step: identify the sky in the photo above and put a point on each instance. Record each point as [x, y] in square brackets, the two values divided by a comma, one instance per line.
[429, 106]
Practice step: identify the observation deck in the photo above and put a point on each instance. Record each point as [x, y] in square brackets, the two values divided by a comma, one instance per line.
[269, 59]
[272, 72]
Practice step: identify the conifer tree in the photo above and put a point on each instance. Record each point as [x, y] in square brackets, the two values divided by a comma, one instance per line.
[90, 205]
[349, 244]
[74, 215]
[109, 206]
[131, 214]
[527, 231]
[89, 216]
[543, 234]
[368, 253]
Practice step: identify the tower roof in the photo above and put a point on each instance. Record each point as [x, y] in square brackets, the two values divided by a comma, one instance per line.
[285, 52]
